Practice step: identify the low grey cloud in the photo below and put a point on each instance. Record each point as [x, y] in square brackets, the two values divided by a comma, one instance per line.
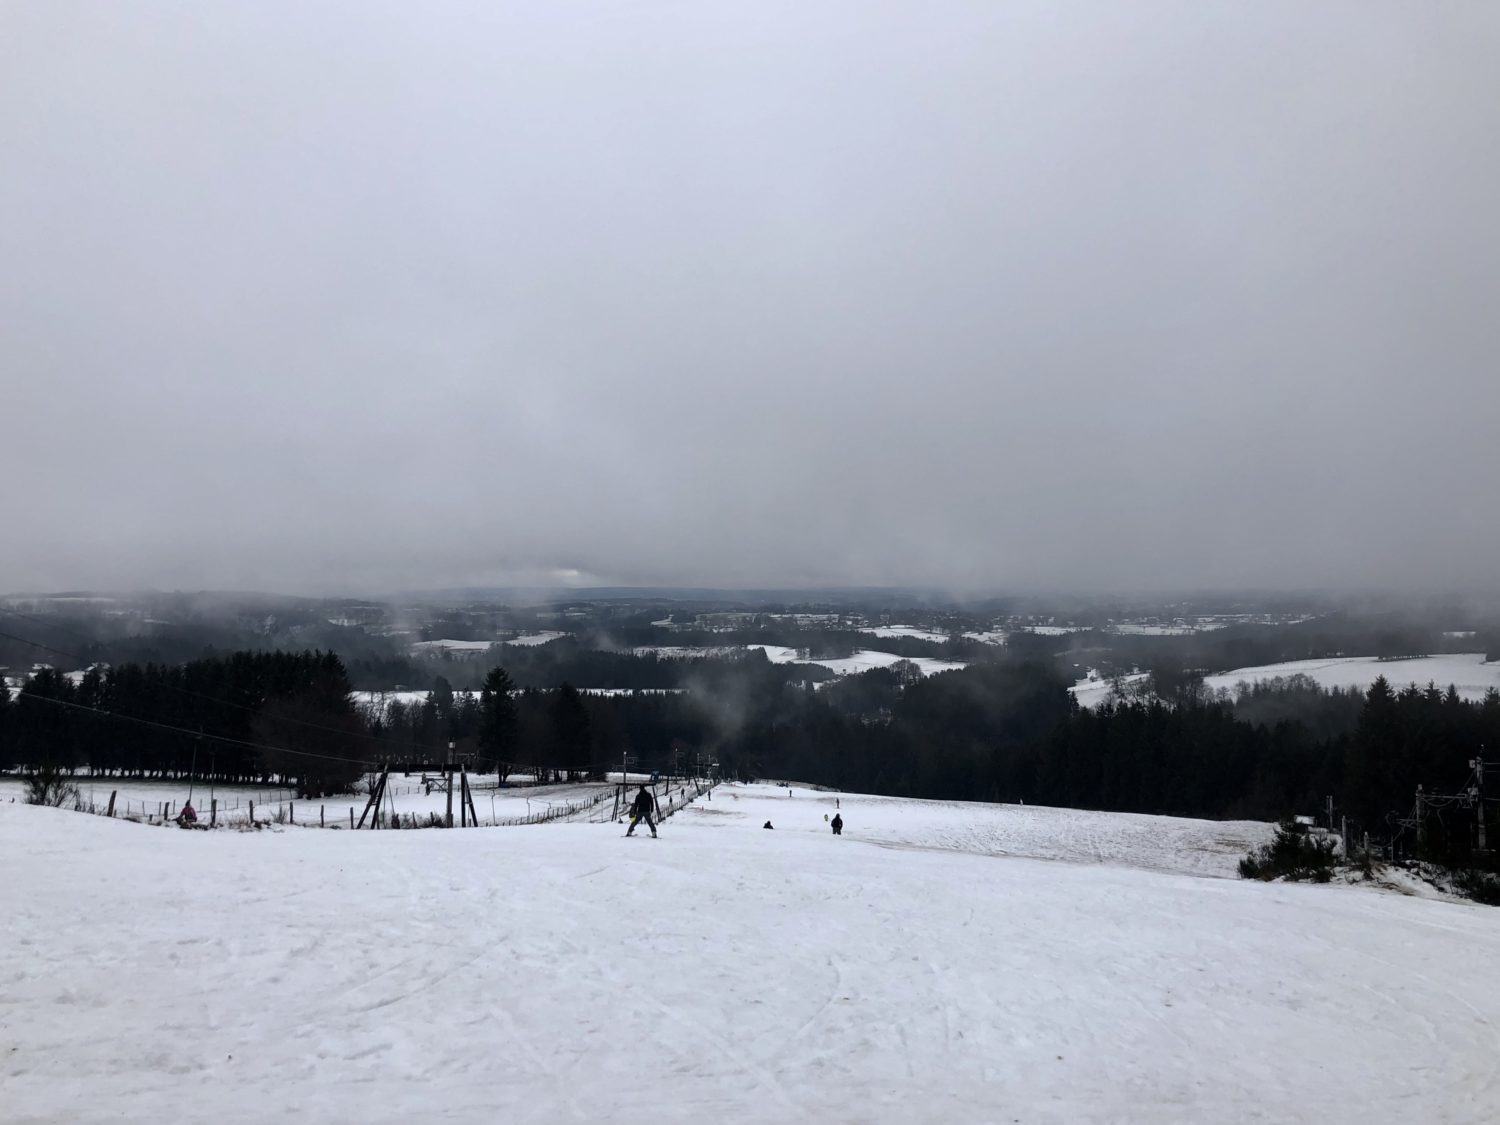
[989, 296]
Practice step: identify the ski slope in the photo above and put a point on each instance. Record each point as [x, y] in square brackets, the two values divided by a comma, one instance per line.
[925, 967]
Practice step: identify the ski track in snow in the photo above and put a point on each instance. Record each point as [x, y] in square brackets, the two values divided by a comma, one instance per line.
[939, 962]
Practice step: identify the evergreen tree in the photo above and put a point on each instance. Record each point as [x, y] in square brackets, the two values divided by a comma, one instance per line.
[7, 746]
[568, 747]
[498, 722]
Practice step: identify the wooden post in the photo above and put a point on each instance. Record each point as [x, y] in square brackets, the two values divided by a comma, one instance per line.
[351, 816]
[213, 811]
[291, 812]
[252, 812]
[111, 811]
[373, 804]
[321, 823]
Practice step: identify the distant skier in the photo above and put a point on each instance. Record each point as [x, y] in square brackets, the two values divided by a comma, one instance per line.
[767, 824]
[838, 825]
[641, 809]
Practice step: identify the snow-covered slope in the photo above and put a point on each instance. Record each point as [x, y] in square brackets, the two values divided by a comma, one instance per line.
[724, 973]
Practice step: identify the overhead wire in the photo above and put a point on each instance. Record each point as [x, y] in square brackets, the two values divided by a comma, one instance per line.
[407, 750]
[411, 748]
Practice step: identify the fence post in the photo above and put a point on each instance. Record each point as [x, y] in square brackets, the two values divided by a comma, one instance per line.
[321, 823]
[213, 811]
[291, 812]
[252, 812]
[111, 811]
[351, 816]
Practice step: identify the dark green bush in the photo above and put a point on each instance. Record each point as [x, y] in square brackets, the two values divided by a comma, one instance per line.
[1294, 854]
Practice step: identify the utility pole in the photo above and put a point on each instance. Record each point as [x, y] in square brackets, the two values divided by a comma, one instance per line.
[450, 785]
[1478, 764]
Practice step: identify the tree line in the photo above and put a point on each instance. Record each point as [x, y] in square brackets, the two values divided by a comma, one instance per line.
[1005, 730]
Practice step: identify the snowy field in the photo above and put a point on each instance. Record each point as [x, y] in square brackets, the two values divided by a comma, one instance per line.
[452, 646]
[529, 640]
[862, 661]
[919, 969]
[1468, 672]
[1093, 692]
[891, 631]
[989, 637]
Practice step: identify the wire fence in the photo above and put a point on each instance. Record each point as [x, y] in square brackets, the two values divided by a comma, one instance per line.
[284, 807]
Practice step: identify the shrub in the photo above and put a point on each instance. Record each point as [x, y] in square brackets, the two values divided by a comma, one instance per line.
[47, 785]
[1481, 886]
[1293, 854]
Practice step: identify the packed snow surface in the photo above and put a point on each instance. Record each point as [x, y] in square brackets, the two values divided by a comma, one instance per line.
[937, 963]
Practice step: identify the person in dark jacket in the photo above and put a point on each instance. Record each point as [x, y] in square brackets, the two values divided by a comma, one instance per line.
[641, 809]
[838, 825]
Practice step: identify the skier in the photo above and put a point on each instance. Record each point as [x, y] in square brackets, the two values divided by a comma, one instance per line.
[838, 825]
[641, 810]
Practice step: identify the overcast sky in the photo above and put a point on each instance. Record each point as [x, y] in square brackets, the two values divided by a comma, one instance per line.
[989, 296]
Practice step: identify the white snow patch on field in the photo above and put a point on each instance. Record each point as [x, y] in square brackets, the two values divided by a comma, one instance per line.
[723, 972]
[1094, 691]
[1468, 672]
[531, 639]
[890, 631]
[379, 702]
[861, 661]
[452, 646]
[687, 652]
[990, 637]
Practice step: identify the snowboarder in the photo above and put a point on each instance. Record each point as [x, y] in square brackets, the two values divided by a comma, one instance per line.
[838, 825]
[641, 809]
[767, 824]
